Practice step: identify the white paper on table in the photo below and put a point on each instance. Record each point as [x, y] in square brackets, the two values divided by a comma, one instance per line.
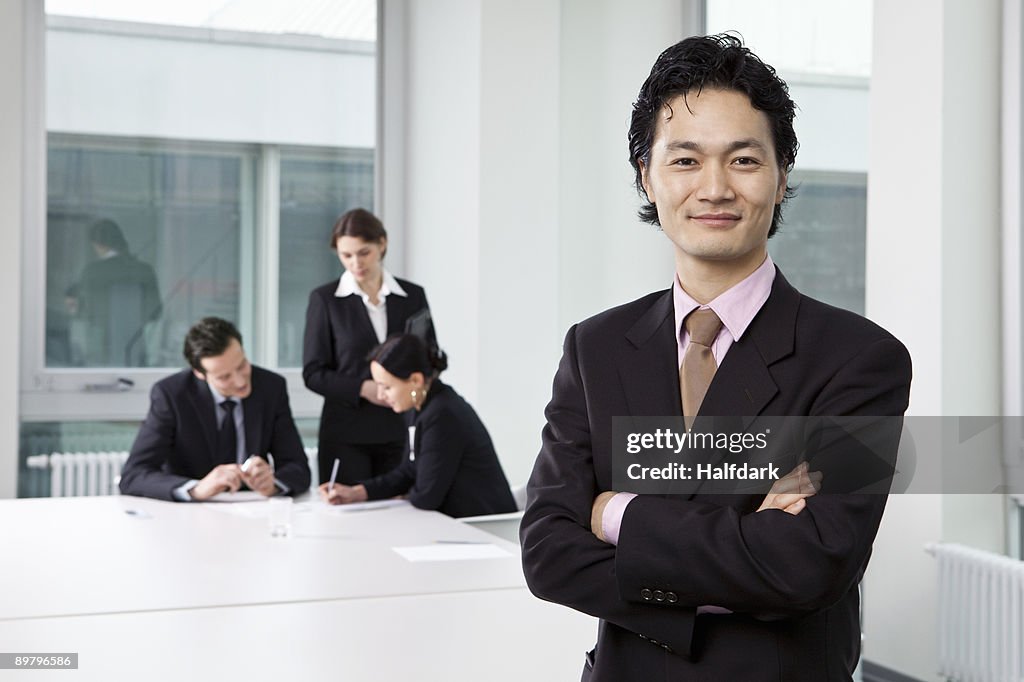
[238, 496]
[367, 506]
[452, 552]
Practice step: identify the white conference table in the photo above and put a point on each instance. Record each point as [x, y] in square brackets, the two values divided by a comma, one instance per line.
[144, 589]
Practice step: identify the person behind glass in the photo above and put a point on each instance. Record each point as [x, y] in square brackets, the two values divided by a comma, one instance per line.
[344, 321]
[452, 466]
[115, 297]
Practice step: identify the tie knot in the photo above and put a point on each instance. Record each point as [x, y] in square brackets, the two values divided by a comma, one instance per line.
[228, 406]
[703, 326]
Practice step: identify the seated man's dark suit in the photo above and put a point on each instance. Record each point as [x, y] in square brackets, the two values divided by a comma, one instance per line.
[178, 439]
[790, 581]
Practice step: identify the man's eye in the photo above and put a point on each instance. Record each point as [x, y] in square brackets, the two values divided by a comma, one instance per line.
[746, 161]
[685, 162]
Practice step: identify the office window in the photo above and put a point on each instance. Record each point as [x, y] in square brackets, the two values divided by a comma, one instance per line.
[805, 36]
[213, 143]
[315, 190]
[820, 246]
[142, 237]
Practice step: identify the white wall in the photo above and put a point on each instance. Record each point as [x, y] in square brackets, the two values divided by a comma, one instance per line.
[933, 245]
[12, 110]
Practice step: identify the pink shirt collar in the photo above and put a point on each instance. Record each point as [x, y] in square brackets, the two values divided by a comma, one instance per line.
[736, 306]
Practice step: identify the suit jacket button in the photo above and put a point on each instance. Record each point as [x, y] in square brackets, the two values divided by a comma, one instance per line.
[659, 595]
[646, 594]
[671, 597]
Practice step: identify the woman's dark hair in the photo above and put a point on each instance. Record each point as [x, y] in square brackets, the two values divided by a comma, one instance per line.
[358, 223]
[719, 61]
[208, 338]
[403, 354]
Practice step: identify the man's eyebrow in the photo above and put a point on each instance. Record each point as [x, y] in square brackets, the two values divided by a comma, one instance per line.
[736, 145]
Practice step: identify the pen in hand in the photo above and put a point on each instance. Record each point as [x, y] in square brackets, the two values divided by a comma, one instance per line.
[334, 477]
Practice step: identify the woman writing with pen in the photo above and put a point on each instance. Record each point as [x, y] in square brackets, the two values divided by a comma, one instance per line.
[345, 319]
[451, 465]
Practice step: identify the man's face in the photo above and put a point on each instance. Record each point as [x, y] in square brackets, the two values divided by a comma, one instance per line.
[713, 177]
[230, 372]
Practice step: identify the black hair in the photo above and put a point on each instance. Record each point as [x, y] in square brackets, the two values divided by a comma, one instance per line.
[208, 338]
[359, 223]
[107, 233]
[403, 354]
[718, 61]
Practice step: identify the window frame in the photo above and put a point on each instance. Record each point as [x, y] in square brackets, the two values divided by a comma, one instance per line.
[59, 394]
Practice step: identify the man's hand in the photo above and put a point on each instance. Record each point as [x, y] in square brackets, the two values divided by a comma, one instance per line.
[343, 494]
[257, 474]
[790, 492]
[368, 391]
[597, 514]
[226, 477]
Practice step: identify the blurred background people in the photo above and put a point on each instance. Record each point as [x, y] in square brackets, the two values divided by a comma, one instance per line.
[452, 466]
[114, 299]
[345, 320]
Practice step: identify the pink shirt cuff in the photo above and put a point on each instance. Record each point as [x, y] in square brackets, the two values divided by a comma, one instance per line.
[611, 520]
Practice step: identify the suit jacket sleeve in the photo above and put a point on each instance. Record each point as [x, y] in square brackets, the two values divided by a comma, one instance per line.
[771, 564]
[320, 369]
[145, 473]
[562, 560]
[291, 464]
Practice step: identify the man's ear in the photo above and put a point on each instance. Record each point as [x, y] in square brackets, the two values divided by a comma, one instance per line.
[199, 375]
[780, 194]
[645, 180]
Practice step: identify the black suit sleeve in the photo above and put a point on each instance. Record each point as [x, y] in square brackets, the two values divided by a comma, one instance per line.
[771, 564]
[562, 560]
[145, 473]
[319, 369]
[291, 464]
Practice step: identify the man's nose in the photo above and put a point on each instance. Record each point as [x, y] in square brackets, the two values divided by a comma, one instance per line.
[714, 183]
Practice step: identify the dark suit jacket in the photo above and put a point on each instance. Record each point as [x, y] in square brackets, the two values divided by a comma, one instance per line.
[338, 337]
[178, 439]
[456, 470]
[790, 580]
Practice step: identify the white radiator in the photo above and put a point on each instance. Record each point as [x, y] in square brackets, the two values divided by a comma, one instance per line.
[981, 615]
[77, 474]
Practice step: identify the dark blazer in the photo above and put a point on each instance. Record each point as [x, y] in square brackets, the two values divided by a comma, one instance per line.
[178, 439]
[791, 581]
[455, 469]
[338, 337]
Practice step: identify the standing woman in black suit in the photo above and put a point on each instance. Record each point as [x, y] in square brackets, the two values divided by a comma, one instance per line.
[345, 320]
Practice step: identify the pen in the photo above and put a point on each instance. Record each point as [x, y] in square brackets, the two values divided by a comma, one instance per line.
[334, 477]
[270, 458]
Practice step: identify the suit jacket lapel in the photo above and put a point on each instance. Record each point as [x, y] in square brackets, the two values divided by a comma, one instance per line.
[354, 310]
[650, 374]
[398, 313]
[202, 403]
[743, 385]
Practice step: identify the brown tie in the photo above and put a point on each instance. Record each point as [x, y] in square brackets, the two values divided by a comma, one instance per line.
[699, 366]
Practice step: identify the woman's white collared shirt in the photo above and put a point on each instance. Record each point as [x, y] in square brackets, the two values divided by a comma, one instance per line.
[347, 286]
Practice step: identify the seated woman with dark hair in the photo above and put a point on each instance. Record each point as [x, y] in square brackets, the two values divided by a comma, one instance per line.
[451, 464]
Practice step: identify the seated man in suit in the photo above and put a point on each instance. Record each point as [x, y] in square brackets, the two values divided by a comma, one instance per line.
[700, 586]
[196, 442]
